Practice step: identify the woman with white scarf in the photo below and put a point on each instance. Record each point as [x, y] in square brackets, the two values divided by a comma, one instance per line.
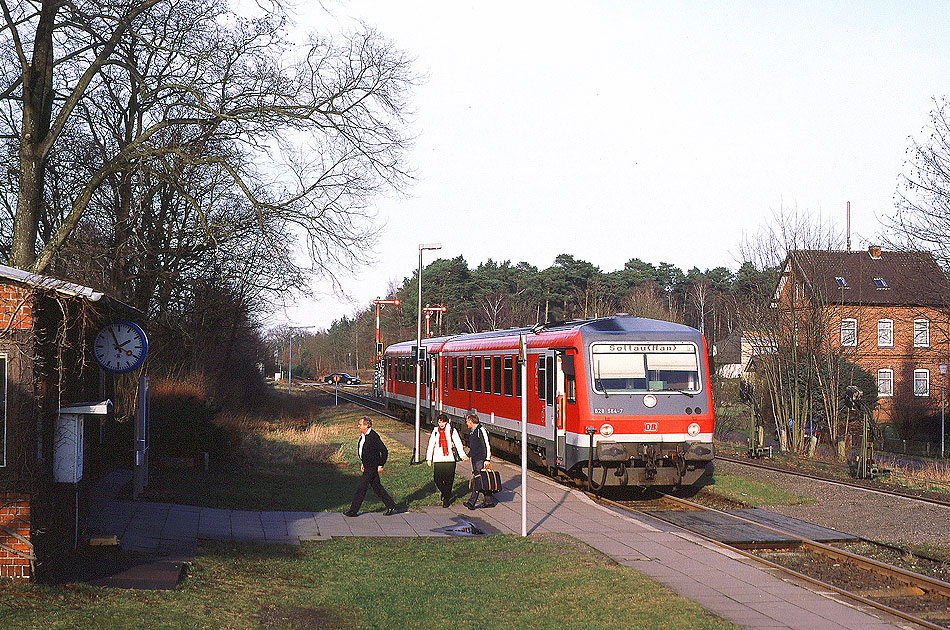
[445, 448]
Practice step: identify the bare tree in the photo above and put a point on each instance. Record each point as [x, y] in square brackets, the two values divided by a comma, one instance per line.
[284, 142]
[799, 364]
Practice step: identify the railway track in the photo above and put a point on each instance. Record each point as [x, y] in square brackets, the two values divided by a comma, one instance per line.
[909, 595]
[837, 481]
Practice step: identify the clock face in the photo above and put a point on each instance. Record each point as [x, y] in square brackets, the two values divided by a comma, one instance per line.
[120, 346]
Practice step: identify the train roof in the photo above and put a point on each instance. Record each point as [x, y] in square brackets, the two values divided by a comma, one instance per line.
[615, 324]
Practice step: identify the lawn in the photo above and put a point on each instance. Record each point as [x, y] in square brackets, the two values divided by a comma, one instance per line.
[546, 581]
[307, 465]
[750, 492]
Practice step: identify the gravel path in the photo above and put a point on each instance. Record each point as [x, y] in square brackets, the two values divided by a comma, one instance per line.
[853, 511]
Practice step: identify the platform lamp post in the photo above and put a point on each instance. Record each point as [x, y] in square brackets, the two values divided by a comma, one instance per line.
[290, 354]
[943, 378]
[422, 247]
[377, 377]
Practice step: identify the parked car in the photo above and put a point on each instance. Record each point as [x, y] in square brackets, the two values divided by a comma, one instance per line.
[345, 379]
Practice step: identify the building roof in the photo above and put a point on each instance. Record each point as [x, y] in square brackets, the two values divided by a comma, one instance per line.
[872, 277]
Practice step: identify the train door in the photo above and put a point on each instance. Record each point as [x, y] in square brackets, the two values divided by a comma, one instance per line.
[554, 404]
[433, 389]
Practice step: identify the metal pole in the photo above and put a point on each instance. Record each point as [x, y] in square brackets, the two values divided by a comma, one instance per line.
[290, 362]
[943, 379]
[524, 435]
[422, 246]
[416, 358]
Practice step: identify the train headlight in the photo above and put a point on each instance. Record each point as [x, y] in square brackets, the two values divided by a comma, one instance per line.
[693, 430]
[606, 430]
[649, 400]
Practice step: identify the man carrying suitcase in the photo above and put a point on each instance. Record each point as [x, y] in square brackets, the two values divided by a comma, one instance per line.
[479, 451]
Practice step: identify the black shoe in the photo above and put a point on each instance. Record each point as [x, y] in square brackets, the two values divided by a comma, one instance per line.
[351, 513]
[391, 511]
[469, 505]
[446, 502]
[486, 504]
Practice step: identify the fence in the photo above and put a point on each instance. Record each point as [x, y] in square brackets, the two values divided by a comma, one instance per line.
[912, 447]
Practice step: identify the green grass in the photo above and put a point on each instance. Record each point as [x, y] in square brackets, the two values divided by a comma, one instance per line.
[739, 488]
[548, 581]
[271, 474]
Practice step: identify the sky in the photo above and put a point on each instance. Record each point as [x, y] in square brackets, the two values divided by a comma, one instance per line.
[664, 131]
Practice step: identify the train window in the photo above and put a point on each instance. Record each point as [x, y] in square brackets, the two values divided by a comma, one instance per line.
[509, 373]
[468, 374]
[517, 377]
[549, 393]
[455, 373]
[486, 375]
[445, 375]
[570, 382]
[496, 374]
[621, 368]
[542, 379]
[478, 374]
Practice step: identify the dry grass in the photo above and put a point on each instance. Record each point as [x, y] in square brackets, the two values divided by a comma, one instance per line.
[926, 474]
[315, 445]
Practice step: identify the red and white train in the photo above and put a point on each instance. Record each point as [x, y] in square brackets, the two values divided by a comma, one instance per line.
[636, 389]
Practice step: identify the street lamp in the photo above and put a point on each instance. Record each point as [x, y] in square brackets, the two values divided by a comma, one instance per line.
[422, 246]
[943, 378]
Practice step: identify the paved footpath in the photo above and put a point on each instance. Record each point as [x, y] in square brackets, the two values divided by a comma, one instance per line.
[722, 581]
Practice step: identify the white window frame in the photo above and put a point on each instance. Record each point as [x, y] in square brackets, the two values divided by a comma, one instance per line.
[885, 333]
[921, 333]
[922, 377]
[849, 324]
[888, 377]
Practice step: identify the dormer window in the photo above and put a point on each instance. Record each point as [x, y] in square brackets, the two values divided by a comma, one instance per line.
[881, 283]
[842, 283]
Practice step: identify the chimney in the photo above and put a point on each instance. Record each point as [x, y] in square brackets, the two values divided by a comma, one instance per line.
[875, 252]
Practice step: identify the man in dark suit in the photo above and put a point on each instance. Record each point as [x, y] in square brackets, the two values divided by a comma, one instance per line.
[373, 455]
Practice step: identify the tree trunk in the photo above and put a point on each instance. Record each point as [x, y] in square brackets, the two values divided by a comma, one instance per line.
[34, 129]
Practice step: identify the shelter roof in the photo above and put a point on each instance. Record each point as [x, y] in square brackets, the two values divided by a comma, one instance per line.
[62, 287]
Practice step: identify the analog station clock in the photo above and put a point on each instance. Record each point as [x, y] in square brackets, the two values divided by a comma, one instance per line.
[120, 346]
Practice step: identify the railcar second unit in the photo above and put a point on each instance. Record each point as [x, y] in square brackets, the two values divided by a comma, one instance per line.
[620, 400]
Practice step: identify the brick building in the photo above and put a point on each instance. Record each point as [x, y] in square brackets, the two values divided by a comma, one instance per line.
[46, 364]
[885, 311]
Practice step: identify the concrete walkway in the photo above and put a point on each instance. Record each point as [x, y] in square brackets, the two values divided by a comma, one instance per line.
[722, 581]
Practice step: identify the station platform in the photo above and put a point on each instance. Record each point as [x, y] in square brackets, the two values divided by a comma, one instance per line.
[722, 581]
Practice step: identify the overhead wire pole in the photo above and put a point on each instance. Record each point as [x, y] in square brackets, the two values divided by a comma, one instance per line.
[422, 246]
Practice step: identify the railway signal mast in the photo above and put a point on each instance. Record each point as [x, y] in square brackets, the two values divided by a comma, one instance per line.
[378, 372]
[428, 311]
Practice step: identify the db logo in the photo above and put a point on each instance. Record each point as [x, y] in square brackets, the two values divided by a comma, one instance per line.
[650, 427]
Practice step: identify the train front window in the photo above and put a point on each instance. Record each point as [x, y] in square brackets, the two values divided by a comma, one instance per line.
[627, 368]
